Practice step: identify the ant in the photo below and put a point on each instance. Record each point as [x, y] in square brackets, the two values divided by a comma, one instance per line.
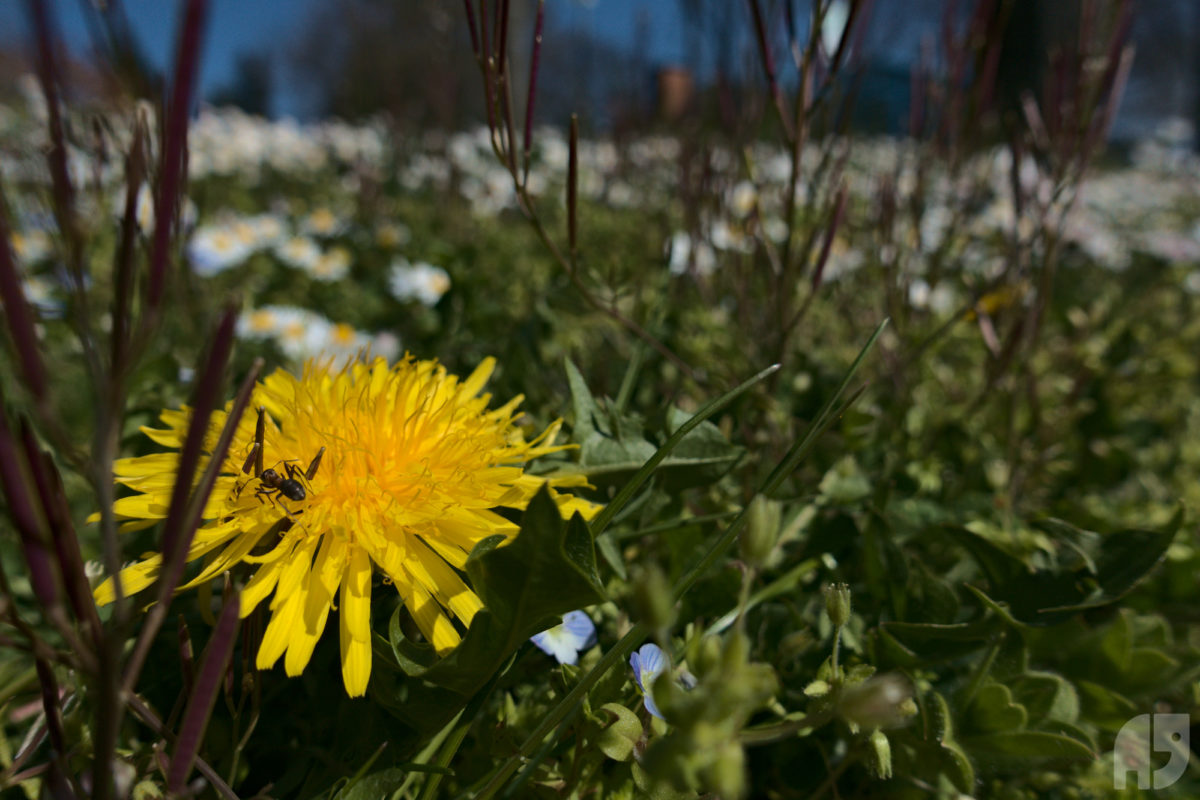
[272, 485]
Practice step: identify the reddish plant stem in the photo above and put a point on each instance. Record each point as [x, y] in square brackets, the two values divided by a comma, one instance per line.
[172, 168]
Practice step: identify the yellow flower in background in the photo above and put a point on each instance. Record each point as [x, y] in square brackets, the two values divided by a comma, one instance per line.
[414, 468]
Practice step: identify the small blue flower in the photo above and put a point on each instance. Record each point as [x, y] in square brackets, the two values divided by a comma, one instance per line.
[566, 641]
[647, 663]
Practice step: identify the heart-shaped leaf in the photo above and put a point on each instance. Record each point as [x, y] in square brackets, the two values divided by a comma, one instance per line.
[994, 709]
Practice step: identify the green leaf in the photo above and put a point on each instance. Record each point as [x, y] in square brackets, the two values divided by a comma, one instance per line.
[609, 443]
[911, 643]
[1045, 596]
[656, 789]
[1117, 643]
[957, 766]
[612, 556]
[548, 569]
[1047, 696]
[1148, 666]
[1126, 558]
[587, 413]
[999, 566]
[939, 719]
[1103, 706]
[1071, 731]
[639, 478]
[613, 444]
[844, 483]
[618, 738]
[884, 563]
[1024, 749]
[933, 600]
[702, 457]
[993, 709]
[938, 751]
[383, 783]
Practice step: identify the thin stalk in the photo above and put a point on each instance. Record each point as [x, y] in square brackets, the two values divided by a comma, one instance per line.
[768, 64]
[531, 95]
[779, 731]
[573, 193]
[630, 378]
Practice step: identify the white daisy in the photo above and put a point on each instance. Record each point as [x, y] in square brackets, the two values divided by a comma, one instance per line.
[421, 281]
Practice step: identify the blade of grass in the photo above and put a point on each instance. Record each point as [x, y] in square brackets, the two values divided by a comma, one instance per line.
[19, 317]
[455, 733]
[172, 170]
[208, 683]
[193, 507]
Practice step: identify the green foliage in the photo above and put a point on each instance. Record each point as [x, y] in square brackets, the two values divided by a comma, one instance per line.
[612, 443]
[546, 571]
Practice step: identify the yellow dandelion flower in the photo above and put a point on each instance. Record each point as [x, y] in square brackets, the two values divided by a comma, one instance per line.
[414, 467]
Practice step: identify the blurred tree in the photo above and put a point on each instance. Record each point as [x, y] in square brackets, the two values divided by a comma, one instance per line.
[1165, 82]
[409, 59]
[412, 60]
[250, 89]
[1025, 26]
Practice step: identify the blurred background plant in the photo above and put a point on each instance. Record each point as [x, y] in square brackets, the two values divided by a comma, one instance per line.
[995, 492]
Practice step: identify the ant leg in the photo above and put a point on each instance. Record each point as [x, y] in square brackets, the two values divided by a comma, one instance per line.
[291, 471]
[272, 496]
[290, 514]
[262, 492]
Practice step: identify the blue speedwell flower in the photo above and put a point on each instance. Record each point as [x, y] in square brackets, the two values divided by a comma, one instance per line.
[566, 641]
[647, 663]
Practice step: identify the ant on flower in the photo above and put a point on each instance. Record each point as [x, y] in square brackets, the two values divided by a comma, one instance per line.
[272, 485]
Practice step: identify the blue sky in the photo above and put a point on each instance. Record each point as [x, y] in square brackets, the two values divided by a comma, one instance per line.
[235, 26]
[246, 26]
[249, 26]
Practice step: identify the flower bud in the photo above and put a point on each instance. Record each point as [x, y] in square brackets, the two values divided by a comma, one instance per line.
[147, 790]
[837, 603]
[707, 656]
[652, 598]
[727, 772]
[736, 653]
[879, 755]
[763, 521]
